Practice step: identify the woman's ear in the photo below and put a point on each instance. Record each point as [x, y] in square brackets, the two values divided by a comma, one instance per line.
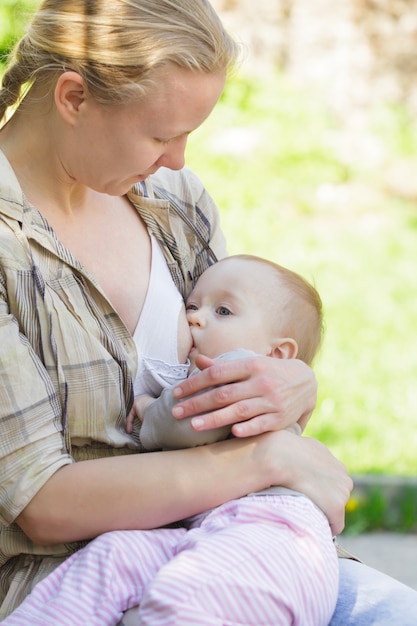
[70, 93]
[284, 348]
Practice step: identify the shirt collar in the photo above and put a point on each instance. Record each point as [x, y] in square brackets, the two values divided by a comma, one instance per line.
[11, 192]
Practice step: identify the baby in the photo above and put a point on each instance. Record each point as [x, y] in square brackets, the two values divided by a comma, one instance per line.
[241, 306]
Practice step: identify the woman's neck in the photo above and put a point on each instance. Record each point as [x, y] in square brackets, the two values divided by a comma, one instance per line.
[28, 144]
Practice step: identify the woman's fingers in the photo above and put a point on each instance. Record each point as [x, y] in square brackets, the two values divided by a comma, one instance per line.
[215, 372]
[256, 394]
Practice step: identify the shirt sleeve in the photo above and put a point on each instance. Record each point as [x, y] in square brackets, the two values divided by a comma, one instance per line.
[160, 430]
[31, 443]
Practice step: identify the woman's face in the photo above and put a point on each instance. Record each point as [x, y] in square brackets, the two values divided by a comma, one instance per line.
[110, 148]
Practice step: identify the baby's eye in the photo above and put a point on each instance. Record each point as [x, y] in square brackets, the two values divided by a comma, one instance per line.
[191, 307]
[223, 310]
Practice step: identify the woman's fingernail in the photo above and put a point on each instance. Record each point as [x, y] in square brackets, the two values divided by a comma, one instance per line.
[197, 422]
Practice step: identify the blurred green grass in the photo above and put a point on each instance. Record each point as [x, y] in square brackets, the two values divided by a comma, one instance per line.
[293, 185]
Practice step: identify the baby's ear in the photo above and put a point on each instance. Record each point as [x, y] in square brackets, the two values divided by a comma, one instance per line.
[284, 348]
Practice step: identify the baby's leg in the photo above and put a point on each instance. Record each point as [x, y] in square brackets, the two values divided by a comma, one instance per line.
[98, 583]
[256, 561]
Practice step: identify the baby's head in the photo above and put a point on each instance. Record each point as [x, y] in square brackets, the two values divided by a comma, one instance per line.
[248, 302]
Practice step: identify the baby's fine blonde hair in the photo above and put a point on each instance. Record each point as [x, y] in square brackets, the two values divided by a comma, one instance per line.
[115, 45]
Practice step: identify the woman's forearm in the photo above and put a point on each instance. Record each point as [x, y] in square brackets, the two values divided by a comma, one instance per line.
[142, 491]
[85, 499]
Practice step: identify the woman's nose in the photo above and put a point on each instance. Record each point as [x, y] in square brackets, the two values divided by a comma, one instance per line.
[174, 155]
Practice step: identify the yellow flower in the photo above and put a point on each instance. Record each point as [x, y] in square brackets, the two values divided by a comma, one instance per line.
[352, 505]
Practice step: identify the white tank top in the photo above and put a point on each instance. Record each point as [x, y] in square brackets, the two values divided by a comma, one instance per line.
[156, 334]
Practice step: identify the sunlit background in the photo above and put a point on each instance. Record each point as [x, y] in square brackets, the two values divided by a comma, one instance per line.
[311, 156]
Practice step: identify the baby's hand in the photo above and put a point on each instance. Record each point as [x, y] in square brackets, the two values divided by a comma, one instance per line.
[137, 411]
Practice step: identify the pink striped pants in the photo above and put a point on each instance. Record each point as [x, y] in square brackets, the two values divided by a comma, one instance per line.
[261, 560]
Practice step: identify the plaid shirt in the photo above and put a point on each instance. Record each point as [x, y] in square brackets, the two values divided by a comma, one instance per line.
[66, 359]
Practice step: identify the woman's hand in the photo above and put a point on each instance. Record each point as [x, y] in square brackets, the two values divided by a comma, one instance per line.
[256, 395]
[307, 466]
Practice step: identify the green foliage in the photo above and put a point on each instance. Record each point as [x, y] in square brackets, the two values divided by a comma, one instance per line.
[368, 514]
[13, 15]
[384, 507]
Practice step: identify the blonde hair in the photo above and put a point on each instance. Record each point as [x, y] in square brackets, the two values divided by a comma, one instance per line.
[299, 312]
[115, 45]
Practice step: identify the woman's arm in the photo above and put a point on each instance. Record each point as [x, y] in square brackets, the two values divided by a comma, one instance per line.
[138, 491]
[255, 394]
[146, 490]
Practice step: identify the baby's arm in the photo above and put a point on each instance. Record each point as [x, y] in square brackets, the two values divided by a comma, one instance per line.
[138, 410]
[160, 430]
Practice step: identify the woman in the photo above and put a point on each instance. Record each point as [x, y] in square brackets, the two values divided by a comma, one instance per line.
[100, 98]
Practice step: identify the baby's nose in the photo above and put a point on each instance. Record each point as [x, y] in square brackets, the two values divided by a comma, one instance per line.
[195, 318]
